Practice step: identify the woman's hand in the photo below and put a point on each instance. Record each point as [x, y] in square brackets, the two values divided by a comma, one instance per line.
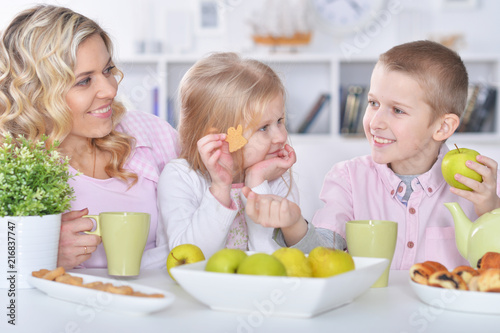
[272, 211]
[214, 152]
[270, 169]
[484, 194]
[75, 247]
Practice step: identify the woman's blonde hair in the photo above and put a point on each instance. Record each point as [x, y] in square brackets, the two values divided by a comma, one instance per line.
[37, 57]
[220, 91]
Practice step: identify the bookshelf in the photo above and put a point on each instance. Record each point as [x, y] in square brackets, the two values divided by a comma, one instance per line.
[151, 83]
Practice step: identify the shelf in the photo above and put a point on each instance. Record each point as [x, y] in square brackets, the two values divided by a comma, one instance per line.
[151, 83]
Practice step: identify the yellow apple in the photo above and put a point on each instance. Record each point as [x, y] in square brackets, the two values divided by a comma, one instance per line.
[295, 262]
[261, 264]
[183, 254]
[454, 162]
[327, 262]
[225, 261]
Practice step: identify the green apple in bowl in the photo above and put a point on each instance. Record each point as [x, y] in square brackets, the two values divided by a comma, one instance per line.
[225, 261]
[327, 262]
[454, 162]
[295, 262]
[183, 254]
[261, 264]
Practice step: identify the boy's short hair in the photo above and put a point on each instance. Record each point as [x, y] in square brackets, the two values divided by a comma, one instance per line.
[438, 70]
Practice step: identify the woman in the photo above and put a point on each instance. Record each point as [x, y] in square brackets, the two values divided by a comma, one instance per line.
[57, 77]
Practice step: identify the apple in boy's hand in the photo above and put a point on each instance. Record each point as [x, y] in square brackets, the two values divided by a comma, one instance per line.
[261, 264]
[225, 261]
[327, 262]
[454, 162]
[183, 254]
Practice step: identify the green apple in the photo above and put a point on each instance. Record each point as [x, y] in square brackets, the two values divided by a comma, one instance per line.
[327, 262]
[261, 264]
[183, 254]
[295, 262]
[225, 261]
[454, 162]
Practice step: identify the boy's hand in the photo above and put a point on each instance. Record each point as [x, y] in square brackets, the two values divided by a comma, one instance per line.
[272, 168]
[214, 153]
[272, 211]
[483, 195]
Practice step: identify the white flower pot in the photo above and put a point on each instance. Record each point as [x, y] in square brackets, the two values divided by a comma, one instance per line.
[27, 244]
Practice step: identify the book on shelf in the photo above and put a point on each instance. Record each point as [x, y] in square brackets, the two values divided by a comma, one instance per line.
[320, 104]
[171, 119]
[479, 114]
[353, 105]
[156, 110]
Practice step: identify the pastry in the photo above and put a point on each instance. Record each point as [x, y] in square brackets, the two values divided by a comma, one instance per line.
[448, 280]
[420, 272]
[465, 272]
[489, 280]
[489, 260]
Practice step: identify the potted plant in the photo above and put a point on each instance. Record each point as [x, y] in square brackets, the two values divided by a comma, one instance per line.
[34, 192]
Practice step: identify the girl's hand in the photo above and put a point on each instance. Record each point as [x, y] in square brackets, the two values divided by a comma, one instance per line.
[483, 195]
[75, 247]
[272, 211]
[272, 168]
[214, 152]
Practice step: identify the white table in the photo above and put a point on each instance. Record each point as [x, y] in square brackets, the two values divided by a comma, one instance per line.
[392, 309]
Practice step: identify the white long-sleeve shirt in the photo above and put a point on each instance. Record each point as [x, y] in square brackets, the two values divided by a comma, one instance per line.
[189, 213]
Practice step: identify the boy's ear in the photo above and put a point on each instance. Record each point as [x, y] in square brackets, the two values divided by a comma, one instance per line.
[448, 125]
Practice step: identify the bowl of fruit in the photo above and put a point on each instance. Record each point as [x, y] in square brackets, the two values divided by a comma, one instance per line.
[284, 283]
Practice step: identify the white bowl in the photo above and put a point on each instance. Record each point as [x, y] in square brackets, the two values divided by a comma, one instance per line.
[275, 295]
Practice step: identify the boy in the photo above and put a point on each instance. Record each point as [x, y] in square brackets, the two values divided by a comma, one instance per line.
[417, 93]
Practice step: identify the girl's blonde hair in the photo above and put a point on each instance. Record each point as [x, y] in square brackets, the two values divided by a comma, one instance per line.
[222, 91]
[37, 57]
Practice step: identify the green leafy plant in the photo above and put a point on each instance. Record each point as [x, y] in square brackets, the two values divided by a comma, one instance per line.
[33, 178]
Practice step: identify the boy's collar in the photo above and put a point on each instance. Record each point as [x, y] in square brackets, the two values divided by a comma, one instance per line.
[431, 181]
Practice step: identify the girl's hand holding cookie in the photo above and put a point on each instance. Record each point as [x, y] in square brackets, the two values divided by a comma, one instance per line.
[74, 246]
[271, 169]
[214, 152]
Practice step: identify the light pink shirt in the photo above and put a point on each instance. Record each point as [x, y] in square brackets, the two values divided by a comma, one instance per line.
[360, 189]
[156, 145]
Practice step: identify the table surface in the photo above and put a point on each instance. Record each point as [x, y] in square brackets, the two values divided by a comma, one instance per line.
[392, 309]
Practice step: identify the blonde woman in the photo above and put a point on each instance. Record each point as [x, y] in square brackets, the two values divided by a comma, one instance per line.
[200, 195]
[58, 78]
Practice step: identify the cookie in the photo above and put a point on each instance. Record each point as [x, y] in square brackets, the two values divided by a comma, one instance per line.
[235, 138]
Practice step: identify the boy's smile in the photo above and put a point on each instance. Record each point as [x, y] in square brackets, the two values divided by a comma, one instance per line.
[397, 123]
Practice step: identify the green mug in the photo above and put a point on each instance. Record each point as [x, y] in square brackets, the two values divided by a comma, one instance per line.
[124, 236]
[373, 239]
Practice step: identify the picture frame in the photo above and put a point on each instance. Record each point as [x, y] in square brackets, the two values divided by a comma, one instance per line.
[208, 19]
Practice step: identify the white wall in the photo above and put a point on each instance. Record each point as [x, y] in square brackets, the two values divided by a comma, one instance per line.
[130, 20]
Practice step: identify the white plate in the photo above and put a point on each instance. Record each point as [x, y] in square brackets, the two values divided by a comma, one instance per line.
[458, 300]
[105, 300]
[274, 295]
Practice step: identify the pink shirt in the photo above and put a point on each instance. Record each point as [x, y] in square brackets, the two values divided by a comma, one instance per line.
[360, 189]
[156, 145]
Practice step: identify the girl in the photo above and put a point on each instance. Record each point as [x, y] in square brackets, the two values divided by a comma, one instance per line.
[200, 194]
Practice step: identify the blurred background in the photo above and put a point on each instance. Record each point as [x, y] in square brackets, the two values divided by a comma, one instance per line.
[174, 25]
[324, 50]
